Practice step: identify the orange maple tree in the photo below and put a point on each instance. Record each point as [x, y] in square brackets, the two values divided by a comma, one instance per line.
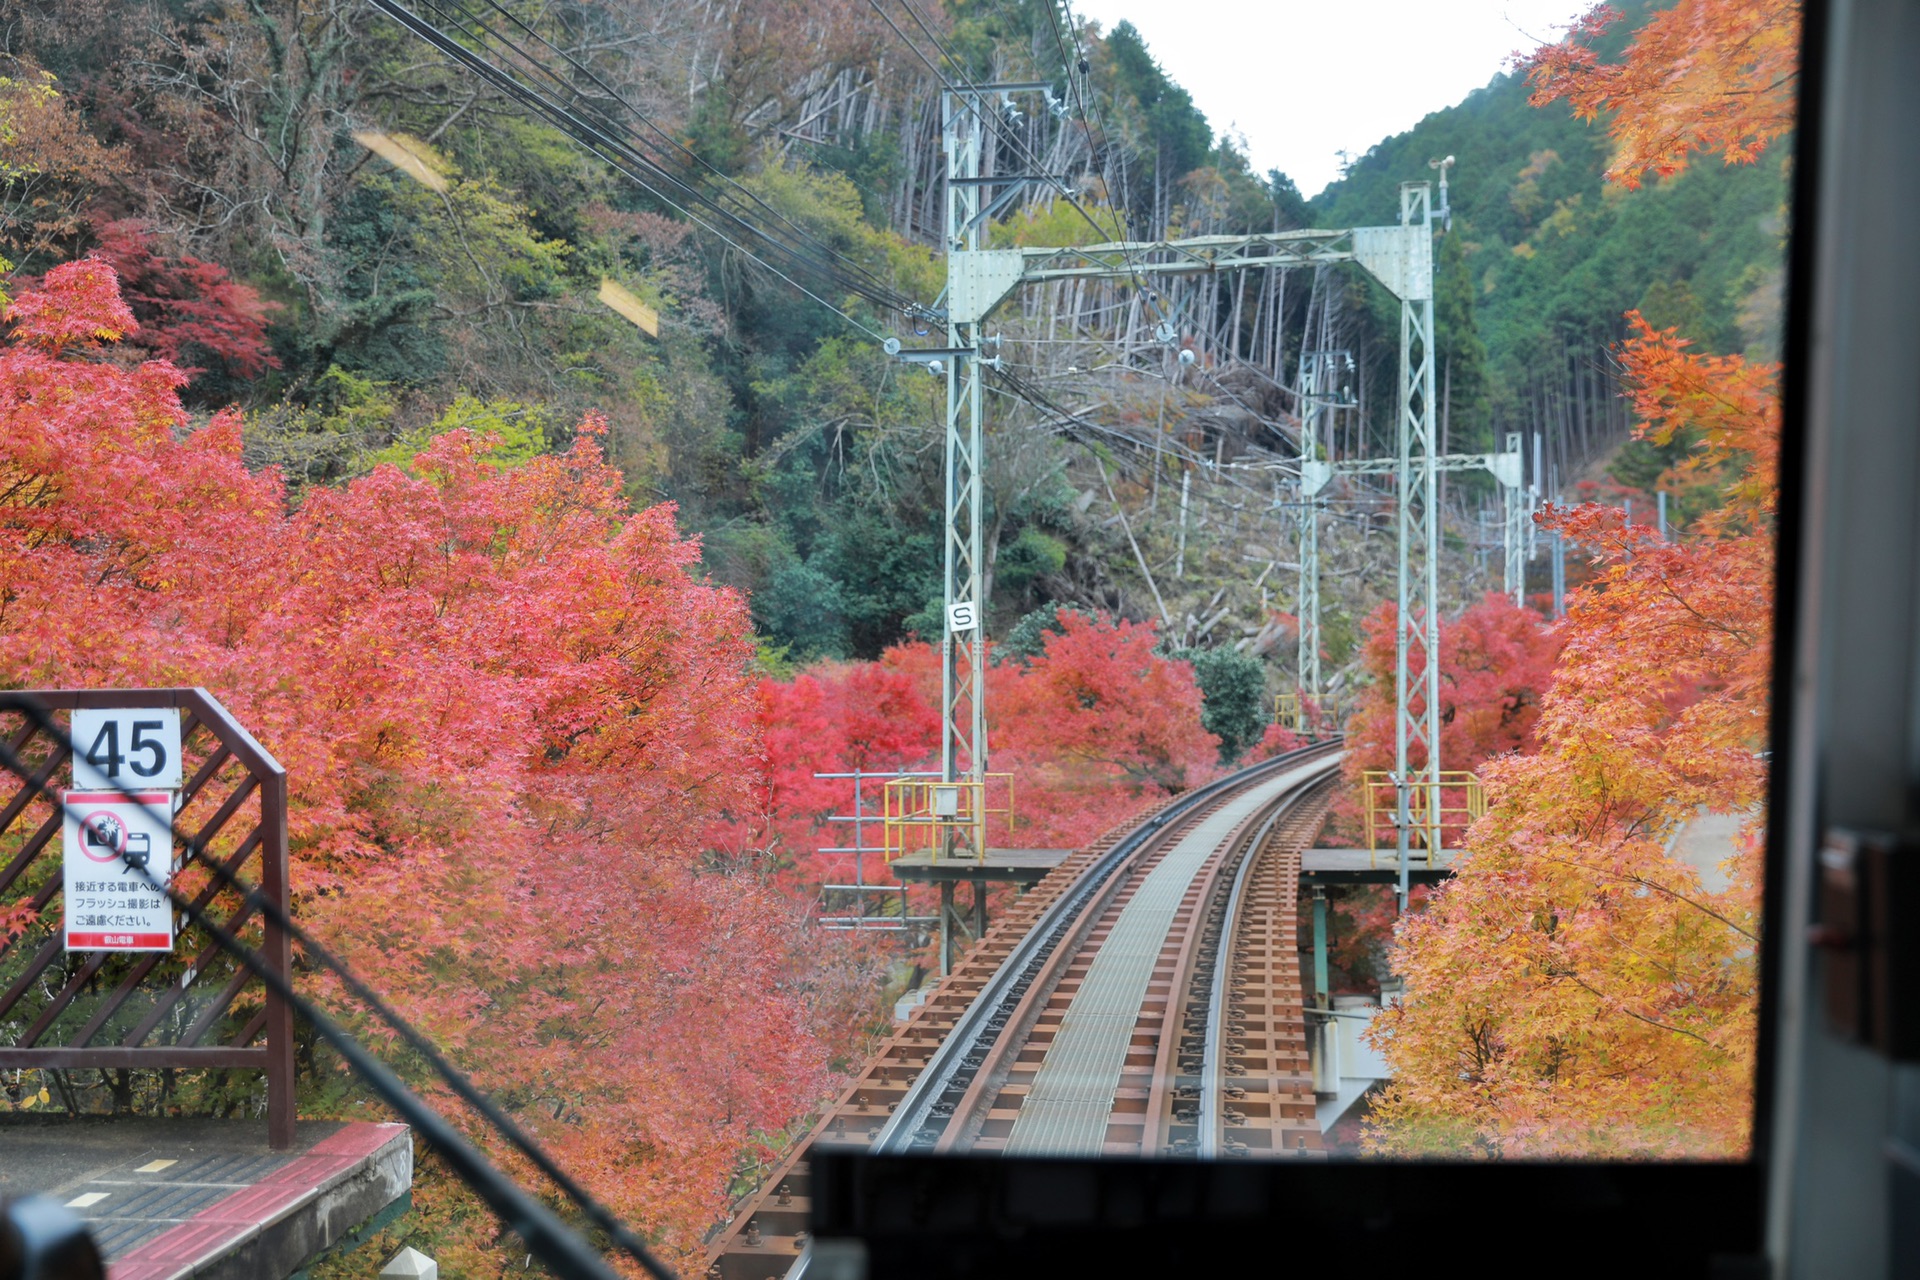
[1708, 76]
[507, 709]
[1575, 989]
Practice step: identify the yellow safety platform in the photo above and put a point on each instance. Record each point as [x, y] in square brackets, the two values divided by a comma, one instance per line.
[946, 820]
[1435, 811]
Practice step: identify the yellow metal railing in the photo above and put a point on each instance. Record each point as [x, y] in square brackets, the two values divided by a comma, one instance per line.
[946, 819]
[1302, 712]
[1437, 813]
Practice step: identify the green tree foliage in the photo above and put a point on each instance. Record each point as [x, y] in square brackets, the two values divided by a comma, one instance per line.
[1180, 136]
[1027, 638]
[1550, 256]
[1463, 356]
[1233, 693]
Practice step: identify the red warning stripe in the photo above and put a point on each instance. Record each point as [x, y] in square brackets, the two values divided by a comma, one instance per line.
[119, 941]
[149, 799]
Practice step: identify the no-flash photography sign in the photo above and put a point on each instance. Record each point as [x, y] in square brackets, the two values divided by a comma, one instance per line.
[109, 905]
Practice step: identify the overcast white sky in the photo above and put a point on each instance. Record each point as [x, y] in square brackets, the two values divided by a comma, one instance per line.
[1304, 80]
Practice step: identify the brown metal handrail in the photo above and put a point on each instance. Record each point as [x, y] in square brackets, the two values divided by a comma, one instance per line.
[234, 777]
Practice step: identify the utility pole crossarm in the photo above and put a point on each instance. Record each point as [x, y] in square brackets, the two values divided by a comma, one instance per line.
[1396, 256]
[1498, 463]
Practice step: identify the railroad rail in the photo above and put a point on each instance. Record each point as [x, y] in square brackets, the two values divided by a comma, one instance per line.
[1145, 998]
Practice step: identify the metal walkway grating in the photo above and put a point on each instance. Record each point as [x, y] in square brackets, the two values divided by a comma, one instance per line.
[1071, 1100]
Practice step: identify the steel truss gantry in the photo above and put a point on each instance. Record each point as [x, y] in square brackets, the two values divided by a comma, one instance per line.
[1316, 368]
[963, 646]
[1516, 508]
[1400, 257]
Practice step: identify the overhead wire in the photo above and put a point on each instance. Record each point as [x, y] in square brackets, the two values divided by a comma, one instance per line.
[599, 138]
[1018, 388]
[645, 172]
[1034, 397]
[664, 135]
[1025, 390]
[966, 91]
[1088, 104]
[815, 254]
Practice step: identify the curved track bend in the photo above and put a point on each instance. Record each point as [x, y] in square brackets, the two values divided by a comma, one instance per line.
[1143, 999]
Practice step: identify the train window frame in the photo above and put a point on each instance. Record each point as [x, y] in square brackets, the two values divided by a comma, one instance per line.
[882, 1215]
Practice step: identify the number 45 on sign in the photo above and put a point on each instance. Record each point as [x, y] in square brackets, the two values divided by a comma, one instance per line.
[134, 748]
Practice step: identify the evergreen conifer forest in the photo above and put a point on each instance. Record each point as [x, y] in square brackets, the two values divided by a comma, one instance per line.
[531, 498]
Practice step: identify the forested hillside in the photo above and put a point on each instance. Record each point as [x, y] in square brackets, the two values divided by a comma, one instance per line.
[502, 427]
[209, 153]
[1546, 258]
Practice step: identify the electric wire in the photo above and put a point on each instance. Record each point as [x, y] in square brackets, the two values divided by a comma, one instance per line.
[818, 257]
[822, 254]
[596, 139]
[438, 1132]
[632, 164]
[967, 91]
[1071, 425]
[667, 138]
[1019, 388]
[1087, 104]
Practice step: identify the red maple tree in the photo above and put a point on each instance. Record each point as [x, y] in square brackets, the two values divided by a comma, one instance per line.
[507, 710]
[188, 309]
[1090, 728]
[1495, 661]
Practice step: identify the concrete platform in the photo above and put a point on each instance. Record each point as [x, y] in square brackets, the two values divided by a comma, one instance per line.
[172, 1198]
[1364, 866]
[1017, 866]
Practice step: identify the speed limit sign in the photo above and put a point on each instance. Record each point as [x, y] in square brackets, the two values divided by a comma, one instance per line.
[135, 748]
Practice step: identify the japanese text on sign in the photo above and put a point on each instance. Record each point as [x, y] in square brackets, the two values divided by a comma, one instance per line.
[109, 905]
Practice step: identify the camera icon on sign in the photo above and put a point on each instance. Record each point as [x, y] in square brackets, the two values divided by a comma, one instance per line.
[104, 836]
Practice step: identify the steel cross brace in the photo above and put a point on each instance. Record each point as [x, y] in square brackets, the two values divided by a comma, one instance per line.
[978, 280]
[963, 711]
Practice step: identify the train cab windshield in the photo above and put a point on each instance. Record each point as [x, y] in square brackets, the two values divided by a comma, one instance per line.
[712, 596]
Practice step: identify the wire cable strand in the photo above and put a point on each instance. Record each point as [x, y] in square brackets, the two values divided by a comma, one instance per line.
[602, 133]
[624, 159]
[967, 91]
[822, 255]
[672, 143]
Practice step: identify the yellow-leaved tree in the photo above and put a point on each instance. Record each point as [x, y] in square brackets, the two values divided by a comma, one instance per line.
[1575, 989]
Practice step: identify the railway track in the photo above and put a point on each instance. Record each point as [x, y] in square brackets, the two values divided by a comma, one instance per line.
[1143, 999]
